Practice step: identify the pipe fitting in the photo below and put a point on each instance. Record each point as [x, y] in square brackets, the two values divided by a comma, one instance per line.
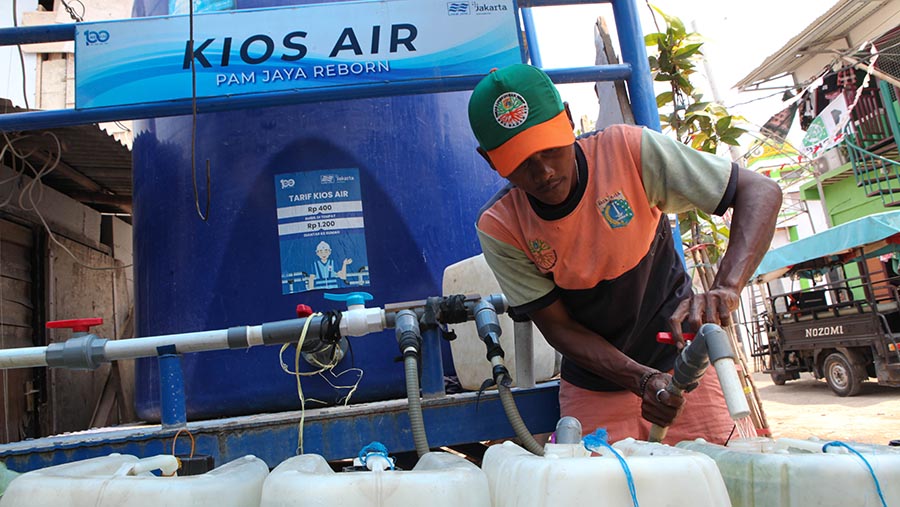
[568, 430]
[82, 353]
[488, 327]
[409, 337]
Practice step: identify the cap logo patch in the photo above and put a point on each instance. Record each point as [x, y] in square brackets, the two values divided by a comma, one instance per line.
[510, 110]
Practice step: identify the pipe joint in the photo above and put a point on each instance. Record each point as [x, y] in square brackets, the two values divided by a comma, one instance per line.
[717, 343]
[81, 353]
[409, 337]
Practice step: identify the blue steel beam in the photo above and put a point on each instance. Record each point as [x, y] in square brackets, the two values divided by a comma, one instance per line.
[34, 120]
[334, 432]
[534, 51]
[59, 33]
[634, 52]
[551, 3]
[36, 34]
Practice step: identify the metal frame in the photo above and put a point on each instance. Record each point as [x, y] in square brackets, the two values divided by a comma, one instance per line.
[335, 432]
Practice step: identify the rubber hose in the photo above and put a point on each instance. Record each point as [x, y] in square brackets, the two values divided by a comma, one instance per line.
[512, 413]
[415, 405]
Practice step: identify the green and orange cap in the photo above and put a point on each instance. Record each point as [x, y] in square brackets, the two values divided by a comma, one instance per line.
[516, 112]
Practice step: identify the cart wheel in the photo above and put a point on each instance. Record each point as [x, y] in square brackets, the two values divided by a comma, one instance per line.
[778, 378]
[842, 377]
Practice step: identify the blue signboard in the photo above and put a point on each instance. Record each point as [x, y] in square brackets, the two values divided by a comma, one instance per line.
[321, 230]
[309, 46]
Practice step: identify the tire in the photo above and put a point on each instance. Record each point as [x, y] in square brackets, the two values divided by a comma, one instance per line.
[843, 377]
[778, 378]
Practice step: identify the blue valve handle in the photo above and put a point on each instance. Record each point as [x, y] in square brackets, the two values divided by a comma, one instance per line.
[351, 298]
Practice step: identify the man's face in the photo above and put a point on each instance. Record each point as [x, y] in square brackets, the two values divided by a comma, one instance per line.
[549, 176]
[323, 253]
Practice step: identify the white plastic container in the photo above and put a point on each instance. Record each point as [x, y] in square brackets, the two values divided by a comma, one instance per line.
[567, 475]
[796, 473]
[473, 276]
[438, 479]
[122, 480]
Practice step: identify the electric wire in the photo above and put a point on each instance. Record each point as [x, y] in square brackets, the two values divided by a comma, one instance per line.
[203, 215]
[31, 192]
[21, 56]
[72, 14]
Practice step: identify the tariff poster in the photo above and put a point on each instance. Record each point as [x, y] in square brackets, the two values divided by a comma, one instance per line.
[321, 230]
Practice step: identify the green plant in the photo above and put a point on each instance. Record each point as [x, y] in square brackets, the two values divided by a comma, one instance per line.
[702, 124]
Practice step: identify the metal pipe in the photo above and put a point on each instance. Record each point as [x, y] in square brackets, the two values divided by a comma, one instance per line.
[432, 364]
[550, 3]
[34, 120]
[37, 34]
[534, 51]
[634, 52]
[523, 333]
[172, 411]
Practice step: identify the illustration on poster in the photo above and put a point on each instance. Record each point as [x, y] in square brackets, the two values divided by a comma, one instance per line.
[323, 275]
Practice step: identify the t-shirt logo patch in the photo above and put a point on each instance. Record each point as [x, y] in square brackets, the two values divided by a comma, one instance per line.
[544, 256]
[616, 210]
[510, 110]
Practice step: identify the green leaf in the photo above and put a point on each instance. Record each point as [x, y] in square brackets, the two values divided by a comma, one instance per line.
[734, 132]
[674, 23]
[653, 39]
[722, 124]
[687, 51]
[730, 141]
[697, 106]
[663, 99]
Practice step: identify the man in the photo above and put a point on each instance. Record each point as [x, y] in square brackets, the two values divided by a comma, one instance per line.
[323, 275]
[579, 241]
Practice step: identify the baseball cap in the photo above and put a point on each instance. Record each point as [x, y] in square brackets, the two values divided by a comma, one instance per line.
[516, 112]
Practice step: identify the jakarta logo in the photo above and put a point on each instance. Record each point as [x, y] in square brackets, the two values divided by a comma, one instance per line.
[616, 210]
[544, 256]
[510, 110]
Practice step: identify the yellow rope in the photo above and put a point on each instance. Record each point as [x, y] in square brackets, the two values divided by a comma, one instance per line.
[322, 369]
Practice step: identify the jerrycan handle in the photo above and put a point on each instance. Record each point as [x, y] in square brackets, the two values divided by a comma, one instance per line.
[165, 463]
[351, 298]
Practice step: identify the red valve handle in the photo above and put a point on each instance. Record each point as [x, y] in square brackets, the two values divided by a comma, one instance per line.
[77, 325]
[304, 311]
[668, 340]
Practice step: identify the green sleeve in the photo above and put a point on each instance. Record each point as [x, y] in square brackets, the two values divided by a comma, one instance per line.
[521, 281]
[678, 178]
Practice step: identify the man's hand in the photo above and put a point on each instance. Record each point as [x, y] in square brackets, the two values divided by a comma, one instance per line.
[664, 408]
[714, 307]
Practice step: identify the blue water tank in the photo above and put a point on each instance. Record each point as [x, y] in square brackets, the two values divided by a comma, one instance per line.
[421, 184]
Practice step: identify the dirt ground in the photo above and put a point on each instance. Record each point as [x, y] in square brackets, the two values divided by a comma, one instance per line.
[807, 408]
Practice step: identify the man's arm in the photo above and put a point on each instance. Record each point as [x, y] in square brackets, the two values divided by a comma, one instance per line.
[757, 201]
[592, 352]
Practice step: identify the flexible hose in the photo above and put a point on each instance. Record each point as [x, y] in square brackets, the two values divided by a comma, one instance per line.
[415, 405]
[512, 413]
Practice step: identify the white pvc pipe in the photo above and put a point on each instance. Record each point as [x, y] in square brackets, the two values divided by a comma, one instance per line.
[23, 358]
[134, 348]
[731, 388]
